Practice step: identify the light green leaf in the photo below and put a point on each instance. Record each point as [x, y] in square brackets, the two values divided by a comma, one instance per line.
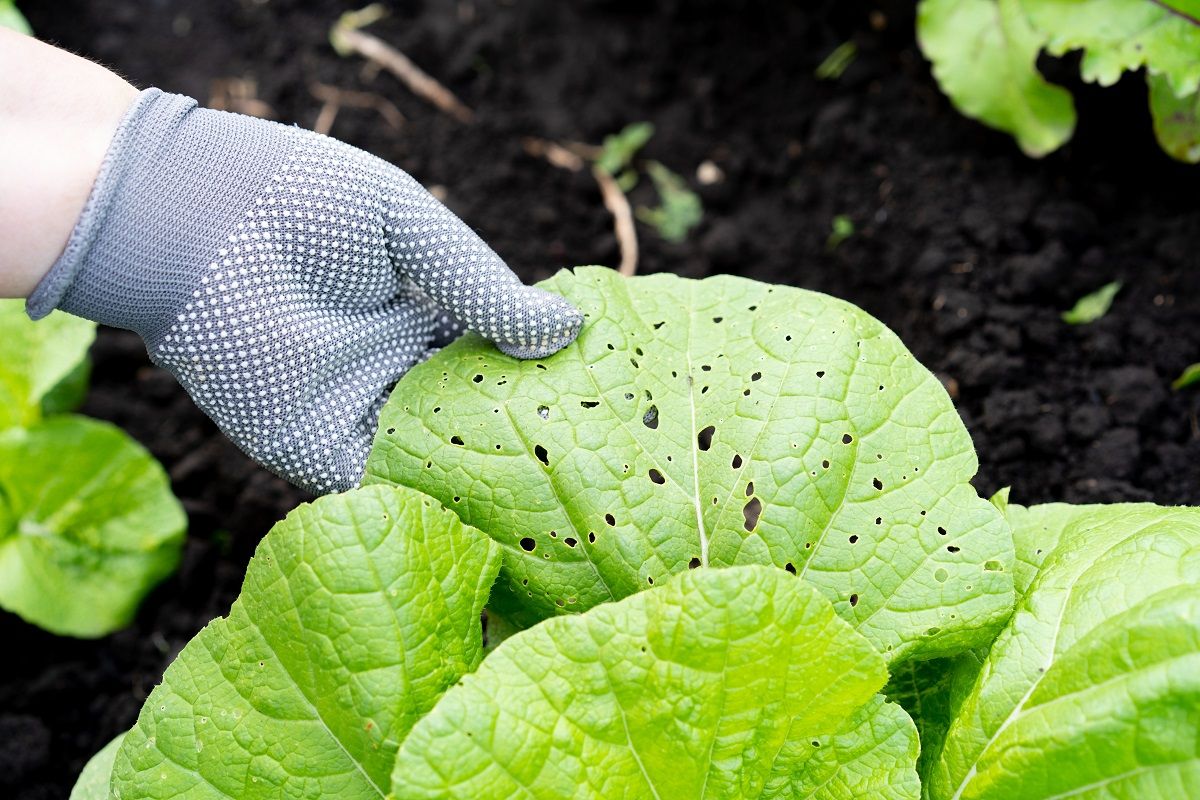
[837, 62]
[680, 209]
[701, 688]
[984, 56]
[1189, 377]
[1093, 689]
[1120, 35]
[93, 781]
[841, 229]
[358, 610]
[88, 525]
[10, 17]
[1093, 306]
[618, 150]
[1176, 120]
[35, 358]
[714, 422]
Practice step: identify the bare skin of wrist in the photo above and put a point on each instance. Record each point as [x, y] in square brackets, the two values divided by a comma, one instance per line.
[58, 113]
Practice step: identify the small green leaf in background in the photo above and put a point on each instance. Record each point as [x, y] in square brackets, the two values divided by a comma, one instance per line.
[984, 55]
[618, 150]
[837, 62]
[42, 364]
[88, 525]
[1093, 688]
[11, 18]
[357, 612]
[840, 229]
[1189, 377]
[717, 422]
[1093, 306]
[719, 684]
[1176, 119]
[680, 208]
[97, 773]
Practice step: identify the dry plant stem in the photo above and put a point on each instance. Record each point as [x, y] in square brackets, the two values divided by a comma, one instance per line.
[239, 95]
[421, 83]
[334, 99]
[618, 205]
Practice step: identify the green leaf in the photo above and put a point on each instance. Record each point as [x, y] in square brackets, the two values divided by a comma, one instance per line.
[88, 525]
[35, 358]
[10, 17]
[1189, 377]
[680, 210]
[618, 150]
[1093, 689]
[1093, 306]
[984, 56]
[1120, 35]
[358, 610]
[1176, 120]
[711, 686]
[714, 422]
[93, 781]
[837, 62]
[841, 229]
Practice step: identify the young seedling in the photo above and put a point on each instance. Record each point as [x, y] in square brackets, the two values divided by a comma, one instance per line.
[1092, 306]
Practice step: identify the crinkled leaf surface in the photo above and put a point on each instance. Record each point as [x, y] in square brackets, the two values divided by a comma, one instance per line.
[705, 687]
[1093, 689]
[357, 612]
[1176, 119]
[714, 422]
[1120, 35]
[94, 780]
[88, 525]
[984, 56]
[35, 357]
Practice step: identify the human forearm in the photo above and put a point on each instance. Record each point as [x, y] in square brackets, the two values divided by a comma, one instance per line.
[58, 113]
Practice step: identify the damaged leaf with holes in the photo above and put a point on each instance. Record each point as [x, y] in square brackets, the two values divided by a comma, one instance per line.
[711, 423]
[1093, 688]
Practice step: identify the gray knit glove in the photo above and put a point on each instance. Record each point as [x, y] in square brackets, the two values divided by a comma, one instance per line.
[285, 278]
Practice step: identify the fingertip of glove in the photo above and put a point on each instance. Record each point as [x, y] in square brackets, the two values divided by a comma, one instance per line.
[553, 323]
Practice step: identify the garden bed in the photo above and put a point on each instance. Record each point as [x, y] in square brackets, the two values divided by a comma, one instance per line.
[965, 248]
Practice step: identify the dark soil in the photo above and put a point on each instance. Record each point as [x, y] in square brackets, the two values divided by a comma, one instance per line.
[964, 247]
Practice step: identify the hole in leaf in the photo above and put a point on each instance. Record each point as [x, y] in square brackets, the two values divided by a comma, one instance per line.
[878, 484]
[649, 580]
[391, 431]
[658, 325]
[456, 439]
[591, 537]
[650, 418]
[820, 373]
[553, 534]
[825, 464]
[610, 519]
[629, 395]
[752, 511]
[478, 378]
[749, 488]
[704, 438]
[570, 541]
[437, 409]
[952, 549]
[589, 403]
[543, 412]
[737, 461]
[541, 454]
[694, 563]
[941, 530]
[657, 477]
[756, 376]
[746, 393]
[854, 538]
[527, 544]
[879, 520]
[790, 567]
[853, 600]
[847, 438]
[636, 365]
[718, 319]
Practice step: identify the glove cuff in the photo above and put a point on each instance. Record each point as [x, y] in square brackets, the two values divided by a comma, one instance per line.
[173, 184]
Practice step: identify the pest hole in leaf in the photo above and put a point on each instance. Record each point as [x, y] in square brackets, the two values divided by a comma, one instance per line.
[648, 395]
[610, 346]
[456, 439]
[714, 501]
[746, 393]
[751, 512]
[881, 387]
[704, 438]
[670, 458]
[436, 409]
[610, 519]
[694, 563]
[649, 580]
[825, 464]
[629, 395]
[923, 513]
[657, 477]
[787, 338]
[879, 520]
[478, 378]
[543, 412]
[541, 454]
[940, 575]
[650, 418]
[992, 566]
[553, 534]
[497, 447]
[847, 438]
[456, 498]
[737, 461]
[878, 484]
[428, 465]
[540, 366]
[527, 544]
[391, 431]
[941, 530]
[756, 376]
[808, 545]
[638, 350]
[952, 549]
[718, 319]
[820, 373]
[591, 537]
[658, 325]
[589, 403]
[570, 541]
[790, 567]
[545, 555]
[815, 743]
[854, 538]
[636, 365]
[853, 600]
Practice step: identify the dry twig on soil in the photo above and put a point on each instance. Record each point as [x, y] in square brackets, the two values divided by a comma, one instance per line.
[333, 99]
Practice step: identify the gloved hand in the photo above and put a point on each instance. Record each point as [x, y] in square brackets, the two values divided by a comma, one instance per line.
[285, 278]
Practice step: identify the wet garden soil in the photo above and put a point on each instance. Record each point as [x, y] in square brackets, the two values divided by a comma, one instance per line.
[965, 248]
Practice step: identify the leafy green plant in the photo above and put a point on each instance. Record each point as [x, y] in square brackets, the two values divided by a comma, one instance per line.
[619, 149]
[88, 524]
[840, 229]
[711, 423]
[984, 55]
[680, 208]
[1092, 306]
[1189, 377]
